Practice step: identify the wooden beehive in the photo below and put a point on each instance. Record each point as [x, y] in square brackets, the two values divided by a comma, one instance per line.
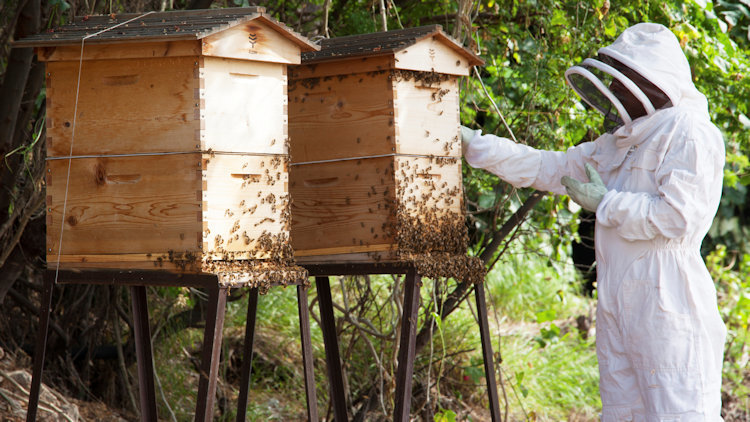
[177, 154]
[376, 156]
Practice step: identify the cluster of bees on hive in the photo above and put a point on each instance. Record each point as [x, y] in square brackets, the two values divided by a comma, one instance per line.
[425, 78]
[429, 233]
[263, 262]
[269, 259]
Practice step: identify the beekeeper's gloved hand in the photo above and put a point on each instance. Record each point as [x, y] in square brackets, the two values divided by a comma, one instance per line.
[466, 136]
[587, 195]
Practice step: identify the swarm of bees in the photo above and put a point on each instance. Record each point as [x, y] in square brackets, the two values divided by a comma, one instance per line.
[261, 261]
[260, 274]
[425, 78]
[426, 202]
[276, 268]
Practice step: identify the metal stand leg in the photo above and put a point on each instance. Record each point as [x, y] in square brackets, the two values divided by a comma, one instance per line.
[307, 357]
[333, 360]
[217, 300]
[489, 367]
[408, 346]
[247, 355]
[142, 334]
[41, 345]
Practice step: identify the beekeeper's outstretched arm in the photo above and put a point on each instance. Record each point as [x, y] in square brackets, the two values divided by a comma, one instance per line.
[684, 179]
[523, 166]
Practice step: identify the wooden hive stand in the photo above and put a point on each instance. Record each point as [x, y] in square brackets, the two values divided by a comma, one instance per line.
[376, 180]
[167, 164]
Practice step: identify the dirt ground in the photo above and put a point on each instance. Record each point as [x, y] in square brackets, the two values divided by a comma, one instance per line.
[15, 381]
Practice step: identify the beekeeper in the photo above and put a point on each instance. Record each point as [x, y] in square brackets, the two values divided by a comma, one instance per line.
[654, 180]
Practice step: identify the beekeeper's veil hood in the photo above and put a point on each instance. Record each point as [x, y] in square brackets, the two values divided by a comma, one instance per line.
[644, 70]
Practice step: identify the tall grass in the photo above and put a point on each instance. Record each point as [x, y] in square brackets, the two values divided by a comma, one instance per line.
[549, 367]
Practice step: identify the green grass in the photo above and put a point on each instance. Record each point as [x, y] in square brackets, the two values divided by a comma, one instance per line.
[551, 383]
[522, 285]
[550, 370]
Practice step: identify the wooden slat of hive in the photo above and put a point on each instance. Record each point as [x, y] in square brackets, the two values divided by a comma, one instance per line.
[343, 207]
[244, 196]
[245, 106]
[426, 114]
[341, 117]
[345, 65]
[154, 49]
[254, 40]
[145, 204]
[124, 106]
[429, 187]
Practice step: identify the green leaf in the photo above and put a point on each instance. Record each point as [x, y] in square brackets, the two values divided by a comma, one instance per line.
[474, 373]
[546, 315]
[445, 415]
[559, 18]
[524, 391]
[62, 4]
[610, 28]
[486, 200]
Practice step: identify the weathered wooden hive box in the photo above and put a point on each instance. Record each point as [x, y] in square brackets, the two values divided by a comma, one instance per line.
[376, 155]
[167, 139]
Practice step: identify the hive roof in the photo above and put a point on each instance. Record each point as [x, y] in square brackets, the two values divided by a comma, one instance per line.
[388, 42]
[158, 26]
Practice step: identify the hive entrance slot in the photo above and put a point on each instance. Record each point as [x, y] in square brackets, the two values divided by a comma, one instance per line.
[120, 80]
[247, 177]
[122, 179]
[242, 76]
[326, 181]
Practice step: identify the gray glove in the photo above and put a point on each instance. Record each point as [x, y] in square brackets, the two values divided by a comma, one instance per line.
[466, 136]
[587, 195]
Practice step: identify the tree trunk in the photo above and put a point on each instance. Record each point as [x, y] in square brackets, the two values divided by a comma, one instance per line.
[17, 91]
[19, 65]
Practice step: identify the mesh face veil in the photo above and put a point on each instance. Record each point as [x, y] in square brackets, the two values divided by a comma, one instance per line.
[609, 91]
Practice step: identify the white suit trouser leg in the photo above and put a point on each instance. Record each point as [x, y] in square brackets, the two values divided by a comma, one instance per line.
[658, 365]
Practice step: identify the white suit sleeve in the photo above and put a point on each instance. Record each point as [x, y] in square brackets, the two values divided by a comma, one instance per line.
[515, 163]
[689, 186]
[524, 166]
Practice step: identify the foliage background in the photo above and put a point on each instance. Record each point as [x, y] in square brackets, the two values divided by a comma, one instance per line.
[542, 303]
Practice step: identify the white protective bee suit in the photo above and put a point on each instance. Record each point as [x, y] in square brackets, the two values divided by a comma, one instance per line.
[659, 335]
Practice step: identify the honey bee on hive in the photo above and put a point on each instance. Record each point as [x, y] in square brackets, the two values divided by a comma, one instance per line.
[376, 156]
[170, 149]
